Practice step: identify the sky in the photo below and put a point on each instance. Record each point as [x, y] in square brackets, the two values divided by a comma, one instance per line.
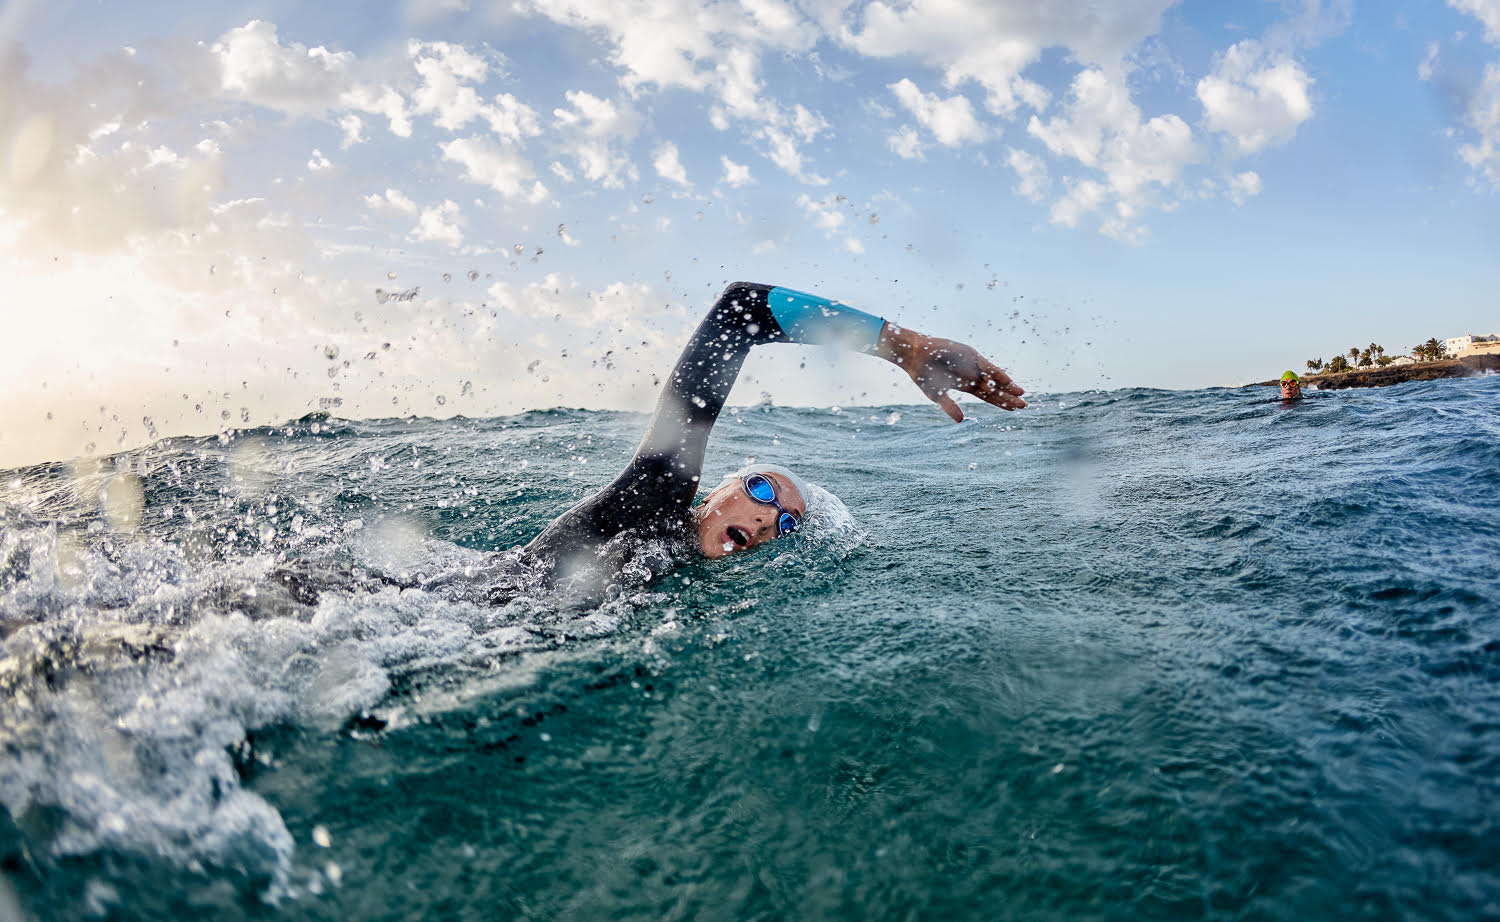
[219, 215]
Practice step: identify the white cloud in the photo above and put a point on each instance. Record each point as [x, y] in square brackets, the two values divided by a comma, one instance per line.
[319, 163]
[783, 152]
[1244, 186]
[1101, 128]
[668, 166]
[1424, 69]
[824, 213]
[1483, 117]
[354, 131]
[1486, 11]
[992, 43]
[735, 174]
[440, 224]
[1083, 196]
[381, 100]
[704, 47]
[806, 123]
[500, 168]
[713, 48]
[1098, 107]
[905, 142]
[853, 245]
[1031, 174]
[392, 201]
[510, 118]
[1482, 111]
[254, 65]
[446, 71]
[951, 121]
[596, 129]
[1256, 97]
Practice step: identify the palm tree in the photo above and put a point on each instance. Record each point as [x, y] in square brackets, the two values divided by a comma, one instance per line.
[1339, 363]
[1364, 358]
[1353, 354]
[1315, 365]
[1435, 349]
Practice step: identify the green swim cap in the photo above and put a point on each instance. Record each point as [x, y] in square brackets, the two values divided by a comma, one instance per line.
[1290, 376]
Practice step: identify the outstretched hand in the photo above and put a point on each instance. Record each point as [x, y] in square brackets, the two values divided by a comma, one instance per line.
[939, 365]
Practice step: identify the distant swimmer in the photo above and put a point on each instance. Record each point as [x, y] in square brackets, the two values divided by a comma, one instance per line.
[1291, 386]
[653, 496]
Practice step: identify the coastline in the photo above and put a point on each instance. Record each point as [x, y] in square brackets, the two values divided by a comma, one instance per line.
[1399, 374]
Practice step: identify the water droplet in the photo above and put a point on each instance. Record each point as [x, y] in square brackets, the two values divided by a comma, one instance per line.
[330, 352]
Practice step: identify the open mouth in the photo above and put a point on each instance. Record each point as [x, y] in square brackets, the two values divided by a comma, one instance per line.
[738, 536]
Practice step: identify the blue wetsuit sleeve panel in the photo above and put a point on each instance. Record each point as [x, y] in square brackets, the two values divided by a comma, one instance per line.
[806, 318]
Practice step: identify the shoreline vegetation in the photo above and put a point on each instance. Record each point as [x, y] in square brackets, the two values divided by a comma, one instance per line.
[1386, 375]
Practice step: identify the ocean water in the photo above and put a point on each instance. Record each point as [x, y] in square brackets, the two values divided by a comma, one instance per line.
[1124, 655]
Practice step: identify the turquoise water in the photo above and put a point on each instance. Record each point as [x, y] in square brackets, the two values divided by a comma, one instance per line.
[1130, 655]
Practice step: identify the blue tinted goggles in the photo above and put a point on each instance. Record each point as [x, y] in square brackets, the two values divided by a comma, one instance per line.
[763, 491]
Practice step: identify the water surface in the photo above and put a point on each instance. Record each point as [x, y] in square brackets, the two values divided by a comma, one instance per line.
[1136, 654]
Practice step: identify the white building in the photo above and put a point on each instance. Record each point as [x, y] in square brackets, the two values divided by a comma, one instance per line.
[1458, 344]
[1403, 360]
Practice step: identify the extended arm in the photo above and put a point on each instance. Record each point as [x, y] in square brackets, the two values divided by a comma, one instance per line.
[659, 483]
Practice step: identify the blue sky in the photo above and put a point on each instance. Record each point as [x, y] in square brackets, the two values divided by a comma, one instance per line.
[203, 203]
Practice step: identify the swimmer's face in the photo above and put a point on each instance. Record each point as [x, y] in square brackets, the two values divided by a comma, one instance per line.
[1290, 390]
[730, 521]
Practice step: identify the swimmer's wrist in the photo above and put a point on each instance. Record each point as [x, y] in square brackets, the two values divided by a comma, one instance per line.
[898, 345]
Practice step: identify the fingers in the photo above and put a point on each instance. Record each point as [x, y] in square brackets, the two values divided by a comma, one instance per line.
[1004, 394]
[1005, 401]
[995, 377]
[950, 406]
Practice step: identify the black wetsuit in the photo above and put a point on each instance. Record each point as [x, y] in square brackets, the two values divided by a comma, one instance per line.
[653, 495]
[641, 520]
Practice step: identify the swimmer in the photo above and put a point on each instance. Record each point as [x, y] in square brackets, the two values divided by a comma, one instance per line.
[1291, 386]
[653, 495]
